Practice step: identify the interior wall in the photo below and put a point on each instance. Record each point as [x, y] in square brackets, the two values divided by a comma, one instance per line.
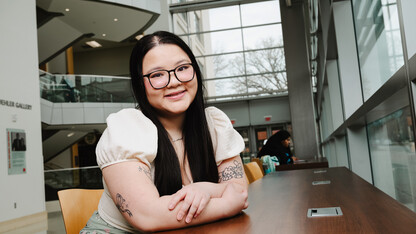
[112, 62]
[253, 112]
[21, 194]
[58, 64]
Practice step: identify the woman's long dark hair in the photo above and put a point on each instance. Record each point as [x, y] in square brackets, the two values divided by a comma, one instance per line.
[197, 139]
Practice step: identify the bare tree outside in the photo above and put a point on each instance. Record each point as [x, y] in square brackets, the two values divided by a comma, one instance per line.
[265, 70]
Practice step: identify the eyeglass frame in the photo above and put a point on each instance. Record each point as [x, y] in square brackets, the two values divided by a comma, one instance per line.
[169, 71]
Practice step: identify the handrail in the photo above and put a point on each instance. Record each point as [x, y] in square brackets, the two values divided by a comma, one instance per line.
[84, 88]
[71, 169]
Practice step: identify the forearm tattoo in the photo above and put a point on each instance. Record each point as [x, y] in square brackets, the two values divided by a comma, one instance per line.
[121, 205]
[146, 172]
[233, 171]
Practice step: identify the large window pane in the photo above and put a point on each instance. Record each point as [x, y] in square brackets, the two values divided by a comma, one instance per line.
[180, 23]
[378, 41]
[392, 152]
[263, 37]
[232, 42]
[268, 60]
[225, 65]
[260, 13]
[221, 42]
[228, 86]
[216, 18]
[267, 83]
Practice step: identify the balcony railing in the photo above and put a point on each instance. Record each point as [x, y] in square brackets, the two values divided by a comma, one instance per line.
[84, 88]
[85, 177]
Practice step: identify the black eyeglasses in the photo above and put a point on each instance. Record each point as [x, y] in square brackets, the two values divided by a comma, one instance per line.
[160, 79]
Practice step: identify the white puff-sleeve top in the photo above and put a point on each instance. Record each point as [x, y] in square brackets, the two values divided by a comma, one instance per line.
[131, 136]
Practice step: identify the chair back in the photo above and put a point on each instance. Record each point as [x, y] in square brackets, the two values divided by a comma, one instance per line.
[253, 171]
[257, 160]
[77, 207]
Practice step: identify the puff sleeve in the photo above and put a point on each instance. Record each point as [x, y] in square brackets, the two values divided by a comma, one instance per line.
[227, 142]
[130, 135]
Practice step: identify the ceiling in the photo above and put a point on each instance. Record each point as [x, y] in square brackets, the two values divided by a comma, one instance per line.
[113, 22]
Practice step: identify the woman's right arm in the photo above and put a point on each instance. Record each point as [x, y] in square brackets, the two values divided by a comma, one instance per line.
[138, 200]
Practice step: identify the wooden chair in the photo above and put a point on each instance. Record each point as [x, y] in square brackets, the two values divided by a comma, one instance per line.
[257, 160]
[77, 207]
[253, 171]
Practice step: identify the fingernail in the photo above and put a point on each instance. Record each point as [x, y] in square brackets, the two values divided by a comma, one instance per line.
[180, 215]
[188, 220]
[170, 206]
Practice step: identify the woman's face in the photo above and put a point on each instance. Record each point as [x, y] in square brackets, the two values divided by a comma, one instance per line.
[286, 142]
[176, 97]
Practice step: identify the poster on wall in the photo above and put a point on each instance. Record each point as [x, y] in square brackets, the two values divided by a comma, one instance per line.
[16, 151]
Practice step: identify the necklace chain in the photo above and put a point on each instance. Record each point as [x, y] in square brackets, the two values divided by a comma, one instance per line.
[179, 139]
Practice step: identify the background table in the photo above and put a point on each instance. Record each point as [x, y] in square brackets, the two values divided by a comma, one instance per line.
[308, 164]
[279, 204]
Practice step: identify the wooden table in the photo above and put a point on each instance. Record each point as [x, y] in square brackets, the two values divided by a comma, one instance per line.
[279, 204]
[304, 164]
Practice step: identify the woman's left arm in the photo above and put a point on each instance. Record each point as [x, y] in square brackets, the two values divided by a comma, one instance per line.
[197, 195]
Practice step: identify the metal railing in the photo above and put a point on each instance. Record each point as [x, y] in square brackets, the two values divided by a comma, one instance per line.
[83, 177]
[84, 88]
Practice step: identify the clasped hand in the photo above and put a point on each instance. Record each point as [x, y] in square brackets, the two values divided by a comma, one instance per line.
[196, 197]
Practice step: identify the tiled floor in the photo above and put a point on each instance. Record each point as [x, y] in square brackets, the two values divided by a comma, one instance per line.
[55, 225]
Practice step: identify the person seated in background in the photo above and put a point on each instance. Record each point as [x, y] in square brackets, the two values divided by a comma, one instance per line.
[278, 145]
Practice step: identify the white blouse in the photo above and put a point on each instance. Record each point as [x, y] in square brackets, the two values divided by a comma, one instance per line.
[131, 136]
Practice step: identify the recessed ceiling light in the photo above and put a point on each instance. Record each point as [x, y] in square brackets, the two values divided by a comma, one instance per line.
[115, 19]
[93, 44]
[104, 34]
[67, 9]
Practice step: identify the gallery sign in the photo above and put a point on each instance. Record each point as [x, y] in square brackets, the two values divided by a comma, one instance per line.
[15, 104]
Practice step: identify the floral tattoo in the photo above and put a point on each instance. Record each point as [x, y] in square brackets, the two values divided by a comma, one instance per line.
[233, 171]
[121, 205]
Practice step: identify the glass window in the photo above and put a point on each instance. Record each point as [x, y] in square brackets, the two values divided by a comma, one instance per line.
[260, 13]
[222, 42]
[216, 17]
[198, 27]
[225, 65]
[262, 61]
[180, 24]
[267, 83]
[261, 136]
[244, 132]
[263, 37]
[228, 86]
[392, 151]
[235, 41]
[378, 41]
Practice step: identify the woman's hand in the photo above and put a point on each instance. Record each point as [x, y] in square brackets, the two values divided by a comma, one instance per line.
[195, 198]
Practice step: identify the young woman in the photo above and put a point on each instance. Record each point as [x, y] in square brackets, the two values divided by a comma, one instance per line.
[278, 145]
[171, 163]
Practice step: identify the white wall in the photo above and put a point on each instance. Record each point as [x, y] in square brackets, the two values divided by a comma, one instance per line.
[19, 82]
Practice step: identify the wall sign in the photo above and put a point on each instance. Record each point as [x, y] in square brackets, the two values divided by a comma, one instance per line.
[16, 151]
[15, 104]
